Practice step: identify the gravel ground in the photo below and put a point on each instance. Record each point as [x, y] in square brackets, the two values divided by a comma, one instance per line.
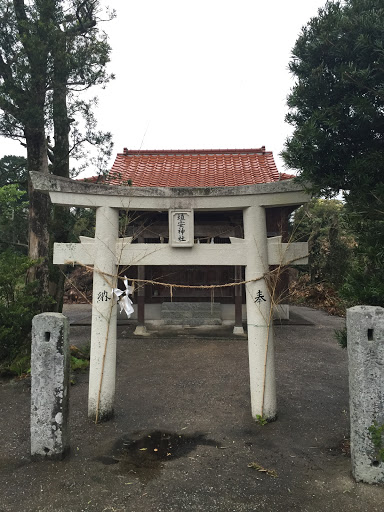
[185, 400]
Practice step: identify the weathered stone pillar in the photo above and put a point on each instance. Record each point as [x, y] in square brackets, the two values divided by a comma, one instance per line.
[365, 327]
[238, 328]
[102, 372]
[49, 387]
[259, 316]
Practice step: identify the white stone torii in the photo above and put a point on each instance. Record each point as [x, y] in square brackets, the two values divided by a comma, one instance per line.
[107, 251]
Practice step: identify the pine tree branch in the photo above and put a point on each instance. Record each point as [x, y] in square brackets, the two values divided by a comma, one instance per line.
[7, 75]
[22, 22]
[85, 18]
[362, 86]
[5, 70]
[21, 16]
[8, 107]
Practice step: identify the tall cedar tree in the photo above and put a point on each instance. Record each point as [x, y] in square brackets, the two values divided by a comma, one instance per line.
[49, 51]
[337, 110]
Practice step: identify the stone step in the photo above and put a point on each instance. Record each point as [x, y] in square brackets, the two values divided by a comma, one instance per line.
[191, 306]
[191, 313]
[192, 322]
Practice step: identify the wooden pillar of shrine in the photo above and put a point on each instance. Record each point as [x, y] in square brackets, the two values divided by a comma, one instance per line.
[238, 328]
[141, 329]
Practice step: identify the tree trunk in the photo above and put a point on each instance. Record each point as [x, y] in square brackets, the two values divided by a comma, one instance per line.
[39, 211]
[61, 220]
[60, 110]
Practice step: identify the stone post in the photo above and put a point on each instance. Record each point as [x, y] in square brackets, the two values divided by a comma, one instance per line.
[365, 328]
[102, 371]
[259, 317]
[50, 370]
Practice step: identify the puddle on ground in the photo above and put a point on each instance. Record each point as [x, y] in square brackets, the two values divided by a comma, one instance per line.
[142, 454]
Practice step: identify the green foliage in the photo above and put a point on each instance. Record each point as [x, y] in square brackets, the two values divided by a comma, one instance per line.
[10, 197]
[321, 222]
[21, 365]
[79, 364]
[336, 108]
[364, 283]
[18, 305]
[376, 432]
[79, 359]
[13, 218]
[363, 286]
[13, 170]
[341, 337]
[261, 420]
[84, 220]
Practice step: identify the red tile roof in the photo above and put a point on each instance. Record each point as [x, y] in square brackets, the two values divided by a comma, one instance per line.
[195, 168]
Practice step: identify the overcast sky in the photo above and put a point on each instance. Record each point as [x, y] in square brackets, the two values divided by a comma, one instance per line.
[199, 74]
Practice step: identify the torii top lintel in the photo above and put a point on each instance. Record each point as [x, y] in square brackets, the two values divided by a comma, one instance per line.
[67, 192]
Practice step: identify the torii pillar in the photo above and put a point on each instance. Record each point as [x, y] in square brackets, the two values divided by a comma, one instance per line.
[259, 316]
[102, 371]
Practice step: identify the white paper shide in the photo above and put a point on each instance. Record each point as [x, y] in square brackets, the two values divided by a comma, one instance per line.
[123, 299]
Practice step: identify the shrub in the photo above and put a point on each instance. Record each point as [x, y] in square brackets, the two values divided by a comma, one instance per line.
[364, 283]
[341, 337]
[18, 305]
[322, 223]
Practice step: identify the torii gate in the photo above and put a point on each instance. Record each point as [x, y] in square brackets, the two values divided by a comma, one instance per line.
[107, 251]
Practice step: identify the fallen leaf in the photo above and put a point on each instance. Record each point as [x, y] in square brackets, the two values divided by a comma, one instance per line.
[258, 467]
[143, 449]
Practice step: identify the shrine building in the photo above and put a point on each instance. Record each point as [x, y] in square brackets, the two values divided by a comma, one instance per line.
[203, 169]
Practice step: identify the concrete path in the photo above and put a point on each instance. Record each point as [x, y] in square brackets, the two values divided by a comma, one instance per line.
[183, 438]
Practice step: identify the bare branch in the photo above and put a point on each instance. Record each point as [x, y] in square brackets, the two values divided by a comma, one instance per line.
[13, 243]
